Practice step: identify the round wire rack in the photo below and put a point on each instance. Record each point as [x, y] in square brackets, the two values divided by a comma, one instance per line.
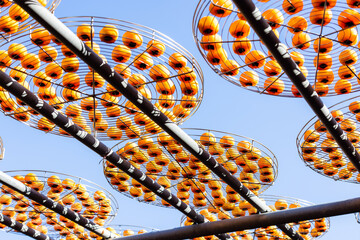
[321, 153]
[14, 20]
[167, 162]
[309, 229]
[80, 195]
[129, 230]
[321, 38]
[161, 70]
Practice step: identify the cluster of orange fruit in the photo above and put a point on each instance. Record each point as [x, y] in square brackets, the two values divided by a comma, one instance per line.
[224, 37]
[307, 229]
[12, 17]
[321, 152]
[239, 30]
[44, 65]
[95, 206]
[165, 161]
[348, 19]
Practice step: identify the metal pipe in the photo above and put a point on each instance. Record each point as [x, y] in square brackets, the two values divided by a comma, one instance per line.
[69, 39]
[279, 52]
[53, 205]
[22, 228]
[253, 221]
[77, 132]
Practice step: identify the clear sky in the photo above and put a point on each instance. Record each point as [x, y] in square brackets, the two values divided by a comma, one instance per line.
[273, 121]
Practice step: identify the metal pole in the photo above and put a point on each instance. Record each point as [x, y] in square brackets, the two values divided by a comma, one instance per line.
[77, 132]
[53, 205]
[281, 55]
[253, 221]
[22, 228]
[68, 38]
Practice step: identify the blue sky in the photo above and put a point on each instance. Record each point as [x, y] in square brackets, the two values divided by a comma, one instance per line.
[273, 121]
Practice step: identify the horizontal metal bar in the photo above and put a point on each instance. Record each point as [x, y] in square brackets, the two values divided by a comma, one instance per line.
[253, 221]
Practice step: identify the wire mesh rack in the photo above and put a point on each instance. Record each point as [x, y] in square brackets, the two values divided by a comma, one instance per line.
[173, 167]
[321, 38]
[80, 195]
[309, 229]
[320, 152]
[161, 70]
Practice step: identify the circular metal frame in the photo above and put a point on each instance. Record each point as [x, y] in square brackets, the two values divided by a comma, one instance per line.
[319, 152]
[82, 196]
[276, 203]
[265, 77]
[173, 83]
[160, 157]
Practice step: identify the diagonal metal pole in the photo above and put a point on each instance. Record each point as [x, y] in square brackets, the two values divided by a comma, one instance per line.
[253, 221]
[69, 39]
[77, 132]
[54, 206]
[281, 55]
[22, 228]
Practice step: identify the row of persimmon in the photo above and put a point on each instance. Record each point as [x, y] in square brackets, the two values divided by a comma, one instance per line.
[71, 80]
[304, 227]
[123, 122]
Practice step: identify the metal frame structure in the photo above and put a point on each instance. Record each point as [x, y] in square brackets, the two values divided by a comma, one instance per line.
[229, 156]
[279, 52]
[88, 140]
[68, 38]
[232, 34]
[85, 97]
[281, 55]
